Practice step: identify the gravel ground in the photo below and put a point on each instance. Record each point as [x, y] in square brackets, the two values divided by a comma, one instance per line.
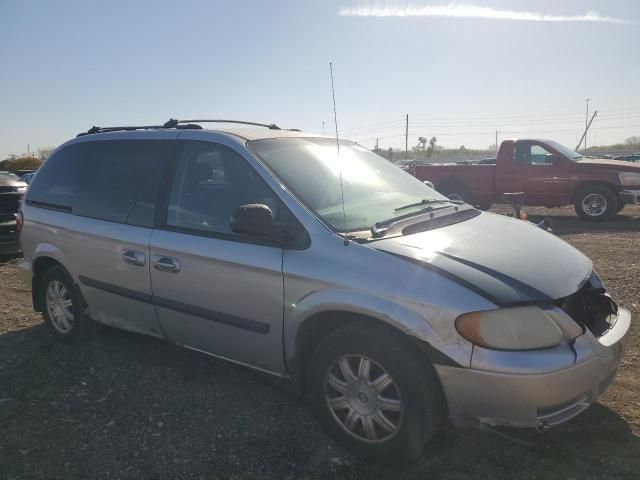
[127, 406]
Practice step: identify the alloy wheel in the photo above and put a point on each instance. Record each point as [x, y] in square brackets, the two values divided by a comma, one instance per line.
[59, 306]
[364, 399]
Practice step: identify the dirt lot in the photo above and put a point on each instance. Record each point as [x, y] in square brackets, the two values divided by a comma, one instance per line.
[126, 406]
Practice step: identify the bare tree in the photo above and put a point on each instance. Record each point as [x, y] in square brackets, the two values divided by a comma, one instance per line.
[633, 141]
[44, 152]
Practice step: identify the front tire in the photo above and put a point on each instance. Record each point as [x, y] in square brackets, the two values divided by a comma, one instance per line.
[63, 306]
[596, 203]
[373, 395]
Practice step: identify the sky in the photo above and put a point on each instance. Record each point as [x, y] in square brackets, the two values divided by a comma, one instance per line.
[460, 70]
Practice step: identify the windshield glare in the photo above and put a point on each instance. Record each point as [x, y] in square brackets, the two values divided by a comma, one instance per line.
[567, 152]
[373, 187]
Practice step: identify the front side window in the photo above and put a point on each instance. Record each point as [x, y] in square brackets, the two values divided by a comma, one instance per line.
[210, 182]
[526, 153]
[373, 189]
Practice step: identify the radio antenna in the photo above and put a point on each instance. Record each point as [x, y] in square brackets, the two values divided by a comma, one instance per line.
[335, 115]
[335, 121]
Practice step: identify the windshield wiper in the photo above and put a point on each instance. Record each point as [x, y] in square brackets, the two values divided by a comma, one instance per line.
[379, 228]
[422, 202]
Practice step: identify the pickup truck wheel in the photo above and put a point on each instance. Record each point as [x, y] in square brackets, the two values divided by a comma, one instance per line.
[596, 204]
[373, 396]
[459, 193]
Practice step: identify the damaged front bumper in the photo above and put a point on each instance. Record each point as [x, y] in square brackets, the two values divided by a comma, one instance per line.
[538, 388]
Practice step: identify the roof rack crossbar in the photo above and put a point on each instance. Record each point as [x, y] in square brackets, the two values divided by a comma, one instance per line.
[173, 123]
[270, 126]
[95, 129]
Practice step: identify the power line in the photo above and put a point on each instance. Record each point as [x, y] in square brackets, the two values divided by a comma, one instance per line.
[508, 132]
[490, 120]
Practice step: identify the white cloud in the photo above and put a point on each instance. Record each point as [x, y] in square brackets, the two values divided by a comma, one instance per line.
[472, 11]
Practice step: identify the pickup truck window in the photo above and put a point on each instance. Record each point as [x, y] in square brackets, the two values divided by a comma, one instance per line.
[526, 153]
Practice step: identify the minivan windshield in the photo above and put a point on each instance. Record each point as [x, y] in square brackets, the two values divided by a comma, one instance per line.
[567, 152]
[374, 189]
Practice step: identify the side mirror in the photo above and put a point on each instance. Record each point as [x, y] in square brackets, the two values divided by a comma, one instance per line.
[253, 219]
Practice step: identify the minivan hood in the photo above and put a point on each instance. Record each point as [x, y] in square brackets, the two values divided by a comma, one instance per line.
[505, 260]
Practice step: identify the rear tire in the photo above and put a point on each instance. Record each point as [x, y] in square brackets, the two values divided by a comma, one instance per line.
[385, 411]
[63, 307]
[457, 193]
[596, 203]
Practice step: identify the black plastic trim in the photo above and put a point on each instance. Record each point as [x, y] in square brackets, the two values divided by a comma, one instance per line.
[115, 289]
[219, 317]
[49, 206]
[205, 313]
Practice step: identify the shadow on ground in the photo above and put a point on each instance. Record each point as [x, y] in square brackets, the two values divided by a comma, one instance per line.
[127, 406]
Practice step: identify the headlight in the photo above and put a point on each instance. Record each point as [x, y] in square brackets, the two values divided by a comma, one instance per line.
[629, 179]
[517, 328]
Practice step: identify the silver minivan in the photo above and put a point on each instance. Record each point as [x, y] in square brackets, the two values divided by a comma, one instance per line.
[391, 307]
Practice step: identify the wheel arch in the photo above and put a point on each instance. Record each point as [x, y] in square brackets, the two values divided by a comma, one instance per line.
[40, 265]
[452, 182]
[308, 330]
[592, 183]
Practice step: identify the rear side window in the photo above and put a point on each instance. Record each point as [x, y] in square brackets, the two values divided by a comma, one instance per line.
[116, 181]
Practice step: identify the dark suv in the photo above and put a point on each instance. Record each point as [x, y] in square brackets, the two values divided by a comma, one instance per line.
[11, 191]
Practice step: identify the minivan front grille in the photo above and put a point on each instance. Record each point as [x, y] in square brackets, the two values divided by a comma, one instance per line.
[591, 307]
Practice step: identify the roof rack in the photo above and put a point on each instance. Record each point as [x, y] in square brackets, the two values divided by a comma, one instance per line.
[95, 129]
[173, 123]
[270, 126]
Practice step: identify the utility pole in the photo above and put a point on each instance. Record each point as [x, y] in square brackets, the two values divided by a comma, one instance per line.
[376, 144]
[586, 122]
[496, 141]
[28, 151]
[323, 127]
[406, 139]
[586, 130]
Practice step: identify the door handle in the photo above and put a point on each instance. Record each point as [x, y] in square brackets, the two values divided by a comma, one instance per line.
[165, 264]
[133, 257]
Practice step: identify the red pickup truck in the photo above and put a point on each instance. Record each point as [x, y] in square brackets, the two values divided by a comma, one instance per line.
[549, 175]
